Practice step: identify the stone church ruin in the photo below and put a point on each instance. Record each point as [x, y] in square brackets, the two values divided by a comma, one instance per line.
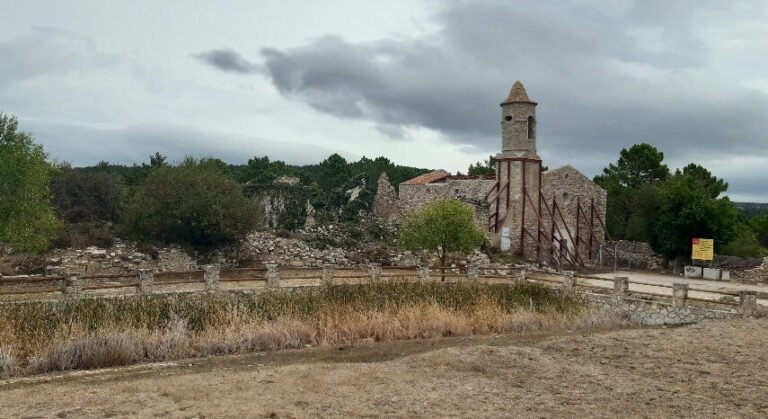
[544, 215]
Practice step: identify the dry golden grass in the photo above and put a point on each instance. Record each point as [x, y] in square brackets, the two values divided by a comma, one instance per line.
[88, 334]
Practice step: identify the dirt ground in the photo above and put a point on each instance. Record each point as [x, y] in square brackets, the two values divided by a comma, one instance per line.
[715, 369]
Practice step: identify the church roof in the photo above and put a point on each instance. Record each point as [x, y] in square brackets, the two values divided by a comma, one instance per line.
[518, 95]
[426, 178]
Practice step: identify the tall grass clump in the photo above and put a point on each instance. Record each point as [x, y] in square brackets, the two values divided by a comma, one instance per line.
[102, 332]
[7, 362]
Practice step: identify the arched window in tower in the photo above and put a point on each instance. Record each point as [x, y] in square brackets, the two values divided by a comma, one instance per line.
[531, 127]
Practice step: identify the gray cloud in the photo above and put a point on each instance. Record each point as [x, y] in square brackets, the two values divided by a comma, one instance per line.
[82, 145]
[46, 51]
[596, 82]
[227, 60]
[606, 77]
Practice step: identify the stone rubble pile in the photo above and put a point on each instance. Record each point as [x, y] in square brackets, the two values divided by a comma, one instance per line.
[758, 274]
[120, 258]
[266, 247]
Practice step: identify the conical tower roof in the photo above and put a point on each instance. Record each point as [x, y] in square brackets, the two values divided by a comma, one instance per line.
[518, 95]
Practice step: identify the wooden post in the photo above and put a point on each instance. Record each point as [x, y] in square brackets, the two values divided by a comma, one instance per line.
[578, 226]
[591, 225]
[522, 211]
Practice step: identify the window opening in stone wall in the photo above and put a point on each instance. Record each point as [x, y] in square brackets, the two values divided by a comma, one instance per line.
[566, 176]
[565, 197]
[507, 118]
[531, 127]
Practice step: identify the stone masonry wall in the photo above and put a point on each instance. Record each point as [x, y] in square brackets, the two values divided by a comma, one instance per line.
[653, 313]
[569, 188]
[413, 197]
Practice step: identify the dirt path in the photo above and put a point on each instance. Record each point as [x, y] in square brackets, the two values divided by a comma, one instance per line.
[717, 369]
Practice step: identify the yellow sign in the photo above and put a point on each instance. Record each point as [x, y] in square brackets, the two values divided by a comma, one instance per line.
[703, 249]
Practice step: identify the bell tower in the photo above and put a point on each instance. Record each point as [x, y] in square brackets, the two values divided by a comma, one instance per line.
[515, 199]
[518, 124]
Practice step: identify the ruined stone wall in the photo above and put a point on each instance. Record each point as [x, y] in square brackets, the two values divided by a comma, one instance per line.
[569, 188]
[414, 197]
[385, 202]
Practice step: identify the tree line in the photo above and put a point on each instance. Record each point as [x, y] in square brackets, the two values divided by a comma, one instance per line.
[200, 203]
[205, 203]
[647, 202]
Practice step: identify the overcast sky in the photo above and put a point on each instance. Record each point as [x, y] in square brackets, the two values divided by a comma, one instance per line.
[416, 81]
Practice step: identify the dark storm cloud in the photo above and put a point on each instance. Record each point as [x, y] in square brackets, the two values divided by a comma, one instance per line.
[602, 83]
[227, 60]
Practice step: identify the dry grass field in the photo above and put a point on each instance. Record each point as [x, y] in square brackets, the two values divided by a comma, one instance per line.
[715, 369]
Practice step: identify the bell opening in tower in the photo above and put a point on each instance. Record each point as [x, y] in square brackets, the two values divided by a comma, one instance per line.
[531, 127]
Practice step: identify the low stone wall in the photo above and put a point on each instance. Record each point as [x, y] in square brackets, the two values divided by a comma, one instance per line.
[654, 313]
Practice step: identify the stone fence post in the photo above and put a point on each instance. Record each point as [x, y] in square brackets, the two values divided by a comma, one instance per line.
[620, 286]
[73, 288]
[211, 276]
[748, 303]
[273, 275]
[569, 280]
[375, 270]
[472, 271]
[328, 272]
[424, 272]
[146, 281]
[520, 278]
[679, 294]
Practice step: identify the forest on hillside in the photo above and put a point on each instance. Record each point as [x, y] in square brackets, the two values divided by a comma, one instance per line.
[97, 203]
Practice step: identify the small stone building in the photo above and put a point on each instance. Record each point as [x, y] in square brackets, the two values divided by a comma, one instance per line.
[543, 215]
